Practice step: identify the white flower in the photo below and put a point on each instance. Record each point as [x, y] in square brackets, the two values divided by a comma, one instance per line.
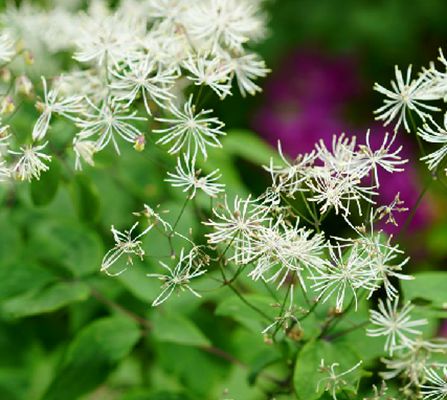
[412, 360]
[395, 324]
[144, 76]
[187, 177]
[106, 122]
[190, 131]
[237, 225]
[106, 40]
[436, 386]
[31, 162]
[84, 150]
[383, 157]
[341, 159]
[347, 271]
[7, 50]
[246, 68]
[338, 191]
[289, 177]
[382, 255]
[436, 81]
[124, 245]
[227, 23]
[334, 382]
[435, 134]
[169, 13]
[209, 72]
[405, 95]
[280, 249]
[178, 277]
[51, 104]
[90, 83]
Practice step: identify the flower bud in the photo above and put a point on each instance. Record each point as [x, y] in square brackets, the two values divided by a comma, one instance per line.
[140, 143]
[28, 57]
[24, 85]
[5, 75]
[40, 106]
[7, 106]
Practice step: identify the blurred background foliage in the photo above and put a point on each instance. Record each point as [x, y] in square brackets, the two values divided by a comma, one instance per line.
[68, 332]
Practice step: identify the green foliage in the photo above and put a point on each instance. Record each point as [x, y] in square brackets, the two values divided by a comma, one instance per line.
[53, 242]
[86, 199]
[177, 329]
[429, 286]
[91, 356]
[309, 384]
[46, 300]
[239, 311]
[44, 190]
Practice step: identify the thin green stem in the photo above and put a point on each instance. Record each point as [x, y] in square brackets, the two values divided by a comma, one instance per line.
[180, 215]
[349, 330]
[414, 209]
[283, 306]
[297, 211]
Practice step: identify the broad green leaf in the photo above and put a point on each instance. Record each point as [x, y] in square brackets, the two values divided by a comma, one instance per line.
[268, 357]
[73, 246]
[211, 369]
[177, 329]
[20, 277]
[236, 309]
[13, 383]
[307, 379]
[136, 281]
[91, 357]
[86, 198]
[44, 189]
[429, 286]
[144, 394]
[10, 243]
[49, 299]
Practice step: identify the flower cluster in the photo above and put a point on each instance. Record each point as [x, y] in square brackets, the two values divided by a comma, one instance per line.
[420, 97]
[132, 67]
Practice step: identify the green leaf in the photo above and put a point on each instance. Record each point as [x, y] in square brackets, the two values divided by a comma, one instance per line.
[308, 380]
[144, 394]
[178, 329]
[135, 280]
[40, 301]
[430, 286]
[22, 277]
[263, 360]
[85, 198]
[44, 190]
[73, 246]
[91, 357]
[236, 309]
[250, 146]
[10, 243]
